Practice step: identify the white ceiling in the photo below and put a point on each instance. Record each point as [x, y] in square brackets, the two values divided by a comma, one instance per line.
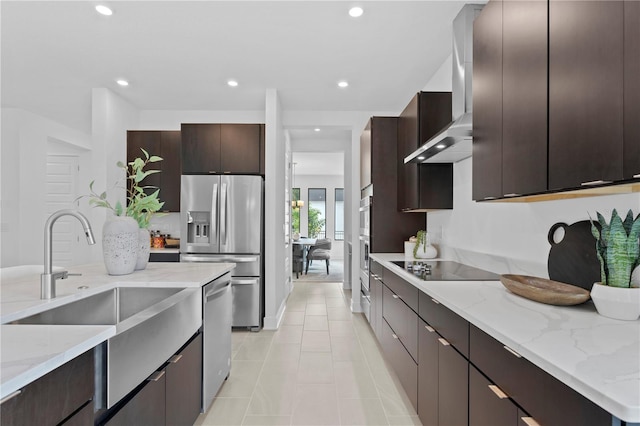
[178, 55]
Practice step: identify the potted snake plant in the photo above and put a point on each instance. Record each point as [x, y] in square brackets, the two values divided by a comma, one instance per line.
[617, 295]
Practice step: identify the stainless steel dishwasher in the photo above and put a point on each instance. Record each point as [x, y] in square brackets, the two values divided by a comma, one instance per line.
[216, 356]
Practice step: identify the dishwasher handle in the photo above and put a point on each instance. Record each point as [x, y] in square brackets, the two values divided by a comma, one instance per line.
[245, 281]
[216, 291]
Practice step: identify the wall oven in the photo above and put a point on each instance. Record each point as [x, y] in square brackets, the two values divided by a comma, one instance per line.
[365, 243]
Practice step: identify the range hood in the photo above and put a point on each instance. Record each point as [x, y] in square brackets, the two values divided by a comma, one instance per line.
[453, 143]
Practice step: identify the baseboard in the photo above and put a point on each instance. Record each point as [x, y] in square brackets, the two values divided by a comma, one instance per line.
[273, 322]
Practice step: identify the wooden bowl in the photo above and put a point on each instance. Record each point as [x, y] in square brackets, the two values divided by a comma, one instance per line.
[545, 291]
[173, 242]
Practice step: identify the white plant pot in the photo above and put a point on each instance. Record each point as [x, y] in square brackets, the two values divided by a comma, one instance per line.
[144, 248]
[615, 302]
[426, 252]
[120, 236]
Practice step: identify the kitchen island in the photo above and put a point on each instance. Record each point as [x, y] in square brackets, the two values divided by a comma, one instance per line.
[596, 356]
[29, 352]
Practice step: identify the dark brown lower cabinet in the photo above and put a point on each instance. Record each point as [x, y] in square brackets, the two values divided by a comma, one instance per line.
[184, 384]
[146, 406]
[404, 366]
[488, 405]
[427, 374]
[375, 319]
[56, 397]
[453, 384]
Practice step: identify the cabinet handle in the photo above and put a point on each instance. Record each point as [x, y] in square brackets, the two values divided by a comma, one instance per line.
[435, 301]
[226, 173]
[498, 392]
[430, 329]
[156, 376]
[489, 198]
[443, 341]
[636, 176]
[395, 296]
[212, 172]
[174, 359]
[395, 336]
[530, 421]
[595, 182]
[10, 396]
[513, 194]
[512, 351]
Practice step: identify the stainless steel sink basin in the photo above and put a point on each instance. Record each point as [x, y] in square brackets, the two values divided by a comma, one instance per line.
[109, 307]
[152, 323]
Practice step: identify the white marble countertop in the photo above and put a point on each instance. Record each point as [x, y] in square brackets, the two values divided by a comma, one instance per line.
[597, 356]
[31, 351]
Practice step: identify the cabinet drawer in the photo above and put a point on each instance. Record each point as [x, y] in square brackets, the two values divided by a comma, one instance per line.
[404, 366]
[54, 396]
[487, 406]
[402, 320]
[377, 269]
[407, 292]
[449, 324]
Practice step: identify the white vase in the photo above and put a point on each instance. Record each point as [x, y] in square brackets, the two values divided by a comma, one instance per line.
[426, 252]
[615, 302]
[144, 248]
[120, 236]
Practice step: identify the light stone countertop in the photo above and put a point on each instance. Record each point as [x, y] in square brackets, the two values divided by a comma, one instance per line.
[28, 352]
[597, 356]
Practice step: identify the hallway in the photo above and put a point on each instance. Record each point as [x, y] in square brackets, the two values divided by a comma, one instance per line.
[322, 367]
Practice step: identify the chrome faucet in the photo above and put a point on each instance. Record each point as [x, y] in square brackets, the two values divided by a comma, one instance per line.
[48, 278]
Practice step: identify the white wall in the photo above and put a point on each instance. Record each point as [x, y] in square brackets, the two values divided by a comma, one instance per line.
[442, 79]
[329, 183]
[26, 141]
[171, 119]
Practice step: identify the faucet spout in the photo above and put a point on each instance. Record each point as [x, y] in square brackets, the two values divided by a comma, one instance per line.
[48, 278]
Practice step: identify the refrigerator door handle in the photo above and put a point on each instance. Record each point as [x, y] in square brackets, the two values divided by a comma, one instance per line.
[223, 215]
[249, 281]
[214, 213]
[218, 259]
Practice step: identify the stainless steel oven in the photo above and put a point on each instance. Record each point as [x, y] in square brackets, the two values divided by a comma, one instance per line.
[365, 243]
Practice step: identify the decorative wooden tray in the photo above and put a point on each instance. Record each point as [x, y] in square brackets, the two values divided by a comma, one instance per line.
[544, 291]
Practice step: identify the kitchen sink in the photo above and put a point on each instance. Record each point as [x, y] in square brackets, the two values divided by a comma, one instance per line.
[152, 324]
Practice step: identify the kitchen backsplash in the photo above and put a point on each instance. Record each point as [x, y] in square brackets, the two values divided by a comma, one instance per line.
[509, 237]
[166, 223]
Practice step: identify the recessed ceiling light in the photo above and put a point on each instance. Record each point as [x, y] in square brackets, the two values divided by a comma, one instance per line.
[356, 12]
[343, 84]
[232, 83]
[317, 129]
[104, 10]
[421, 158]
[122, 82]
[441, 146]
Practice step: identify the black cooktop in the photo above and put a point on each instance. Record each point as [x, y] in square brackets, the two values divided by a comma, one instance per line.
[445, 270]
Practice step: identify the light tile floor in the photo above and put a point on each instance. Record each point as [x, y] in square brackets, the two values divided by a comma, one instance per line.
[322, 367]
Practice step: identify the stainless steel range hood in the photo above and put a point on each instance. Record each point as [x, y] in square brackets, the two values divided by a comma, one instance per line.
[453, 143]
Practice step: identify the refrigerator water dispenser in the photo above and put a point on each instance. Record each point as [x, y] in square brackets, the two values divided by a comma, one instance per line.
[198, 227]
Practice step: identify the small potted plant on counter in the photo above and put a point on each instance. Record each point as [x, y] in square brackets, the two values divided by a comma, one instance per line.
[125, 234]
[423, 248]
[618, 250]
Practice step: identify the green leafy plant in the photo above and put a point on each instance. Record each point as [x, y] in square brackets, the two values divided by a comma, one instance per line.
[617, 248]
[316, 223]
[140, 205]
[421, 241]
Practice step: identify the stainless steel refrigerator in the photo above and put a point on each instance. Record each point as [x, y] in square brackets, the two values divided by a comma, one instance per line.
[222, 221]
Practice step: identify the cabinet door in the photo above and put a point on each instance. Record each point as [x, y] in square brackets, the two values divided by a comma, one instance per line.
[453, 385]
[404, 366]
[171, 165]
[408, 135]
[585, 92]
[184, 384]
[200, 148]
[427, 374]
[487, 102]
[262, 149]
[524, 97]
[240, 148]
[146, 407]
[631, 89]
[365, 156]
[54, 396]
[150, 141]
[401, 319]
[487, 407]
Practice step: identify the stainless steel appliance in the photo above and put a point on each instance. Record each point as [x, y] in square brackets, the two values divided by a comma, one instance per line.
[222, 221]
[365, 242]
[216, 332]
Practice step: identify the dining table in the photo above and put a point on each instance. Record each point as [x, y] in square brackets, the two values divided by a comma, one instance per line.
[306, 244]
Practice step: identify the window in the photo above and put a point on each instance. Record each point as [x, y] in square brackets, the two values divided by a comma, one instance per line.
[295, 211]
[338, 232]
[317, 212]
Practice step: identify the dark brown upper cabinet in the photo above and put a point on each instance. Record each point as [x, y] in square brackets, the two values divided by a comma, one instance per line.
[166, 144]
[631, 89]
[423, 187]
[378, 150]
[222, 148]
[586, 71]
